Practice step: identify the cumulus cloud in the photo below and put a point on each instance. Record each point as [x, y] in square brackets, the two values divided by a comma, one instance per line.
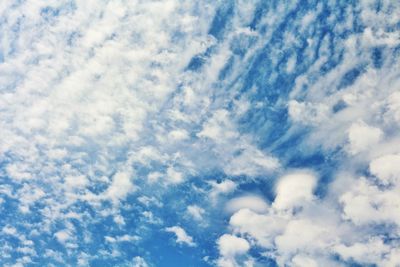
[386, 168]
[294, 189]
[363, 137]
[230, 247]
[366, 203]
[318, 230]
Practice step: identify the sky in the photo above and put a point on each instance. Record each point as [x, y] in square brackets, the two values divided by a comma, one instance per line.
[200, 133]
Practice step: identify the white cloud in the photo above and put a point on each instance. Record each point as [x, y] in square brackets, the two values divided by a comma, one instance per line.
[251, 202]
[262, 227]
[174, 176]
[118, 219]
[196, 212]
[154, 177]
[9, 230]
[63, 236]
[178, 135]
[139, 262]
[307, 113]
[219, 127]
[369, 252]
[221, 188]
[120, 186]
[251, 162]
[386, 168]
[294, 189]
[303, 261]
[302, 235]
[123, 238]
[76, 181]
[181, 236]
[229, 247]
[363, 137]
[100, 92]
[365, 203]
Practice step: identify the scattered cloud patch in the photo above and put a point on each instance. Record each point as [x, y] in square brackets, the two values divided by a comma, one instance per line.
[181, 236]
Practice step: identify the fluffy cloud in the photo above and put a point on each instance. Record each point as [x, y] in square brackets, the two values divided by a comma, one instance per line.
[120, 186]
[294, 189]
[315, 231]
[363, 137]
[386, 168]
[365, 203]
[230, 247]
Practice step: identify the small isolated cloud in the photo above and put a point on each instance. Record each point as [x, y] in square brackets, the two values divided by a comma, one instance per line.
[181, 236]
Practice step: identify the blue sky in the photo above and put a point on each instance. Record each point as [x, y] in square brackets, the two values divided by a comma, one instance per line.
[199, 133]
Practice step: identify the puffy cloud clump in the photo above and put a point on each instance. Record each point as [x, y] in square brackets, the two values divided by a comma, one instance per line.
[231, 246]
[303, 230]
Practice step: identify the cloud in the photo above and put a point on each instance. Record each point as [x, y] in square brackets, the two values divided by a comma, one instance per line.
[221, 188]
[196, 212]
[294, 189]
[366, 203]
[115, 117]
[120, 186]
[254, 203]
[124, 238]
[317, 230]
[139, 262]
[181, 236]
[365, 253]
[9, 230]
[173, 176]
[363, 136]
[386, 168]
[63, 236]
[229, 247]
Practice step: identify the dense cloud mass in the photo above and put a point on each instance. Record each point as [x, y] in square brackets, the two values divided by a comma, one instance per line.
[199, 133]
